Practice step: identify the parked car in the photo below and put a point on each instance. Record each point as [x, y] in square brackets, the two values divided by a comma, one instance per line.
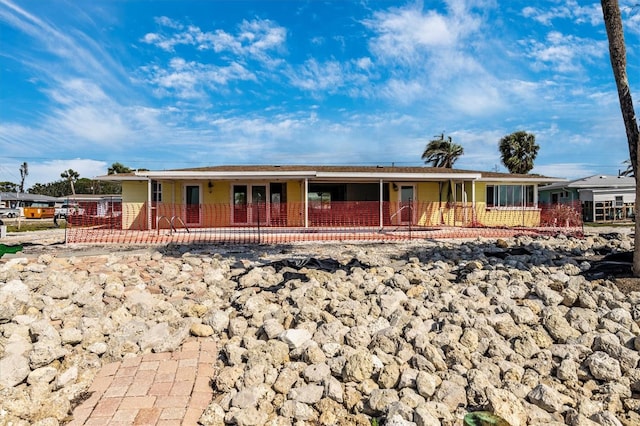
[66, 210]
[9, 212]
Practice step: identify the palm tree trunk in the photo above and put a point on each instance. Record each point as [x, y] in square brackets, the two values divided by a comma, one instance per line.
[618, 55]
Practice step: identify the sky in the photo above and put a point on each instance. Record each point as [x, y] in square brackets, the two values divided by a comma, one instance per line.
[173, 84]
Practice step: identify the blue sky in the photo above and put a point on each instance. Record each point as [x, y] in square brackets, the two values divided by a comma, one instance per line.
[175, 84]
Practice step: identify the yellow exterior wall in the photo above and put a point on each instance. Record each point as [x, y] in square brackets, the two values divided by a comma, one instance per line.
[429, 210]
[507, 217]
[134, 198]
[481, 192]
[295, 203]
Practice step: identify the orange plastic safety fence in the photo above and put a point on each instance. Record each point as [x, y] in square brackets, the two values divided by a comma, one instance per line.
[271, 223]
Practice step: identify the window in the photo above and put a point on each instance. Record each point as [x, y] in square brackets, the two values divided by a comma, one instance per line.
[619, 202]
[510, 195]
[156, 191]
[320, 200]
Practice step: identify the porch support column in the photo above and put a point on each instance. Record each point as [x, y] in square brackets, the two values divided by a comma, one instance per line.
[306, 202]
[149, 204]
[173, 199]
[463, 194]
[473, 193]
[380, 203]
[535, 195]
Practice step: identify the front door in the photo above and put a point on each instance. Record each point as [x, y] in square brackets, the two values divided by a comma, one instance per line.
[192, 201]
[406, 203]
[258, 204]
[250, 204]
[240, 203]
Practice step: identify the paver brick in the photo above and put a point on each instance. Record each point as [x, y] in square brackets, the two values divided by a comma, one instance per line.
[160, 388]
[107, 407]
[125, 415]
[181, 388]
[131, 362]
[172, 401]
[147, 416]
[186, 374]
[156, 356]
[127, 371]
[200, 400]
[115, 391]
[137, 402]
[173, 413]
[149, 365]
[109, 369]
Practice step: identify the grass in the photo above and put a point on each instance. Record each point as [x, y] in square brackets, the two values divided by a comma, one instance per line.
[27, 226]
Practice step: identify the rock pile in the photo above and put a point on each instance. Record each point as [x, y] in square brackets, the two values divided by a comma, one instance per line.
[411, 334]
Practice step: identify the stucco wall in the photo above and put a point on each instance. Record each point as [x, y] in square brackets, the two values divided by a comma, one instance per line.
[134, 197]
[430, 207]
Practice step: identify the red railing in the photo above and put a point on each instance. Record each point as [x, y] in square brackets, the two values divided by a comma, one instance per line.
[290, 222]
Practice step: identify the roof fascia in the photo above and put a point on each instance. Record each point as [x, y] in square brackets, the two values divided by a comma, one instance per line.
[219, 175]
[120, 178]
[397, 176]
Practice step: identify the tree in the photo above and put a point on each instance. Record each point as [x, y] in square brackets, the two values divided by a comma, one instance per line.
[24, 172]
[628, 171]
[618, 56]
[71, 176]
[518, 151]
[117, 168]
[442, 152]
[8, 187]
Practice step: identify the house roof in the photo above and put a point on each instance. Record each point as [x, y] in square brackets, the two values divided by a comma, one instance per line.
[327, 173]
[595, 182]
[24, 196]
[90, 197]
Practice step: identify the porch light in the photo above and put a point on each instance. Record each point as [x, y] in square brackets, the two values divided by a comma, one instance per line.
[210, 186]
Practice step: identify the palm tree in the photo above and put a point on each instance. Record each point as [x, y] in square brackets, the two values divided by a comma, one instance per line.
[70, 175]
[24, 172]
[618, 57]
[442, 152]
[517, 151]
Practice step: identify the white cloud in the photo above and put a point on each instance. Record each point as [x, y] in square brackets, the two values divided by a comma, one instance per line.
[403, 33]
[191, 80]
[85, 113]
[571, 10]
[253, 38]
[565, 53]
[315, 76]
[404, 92]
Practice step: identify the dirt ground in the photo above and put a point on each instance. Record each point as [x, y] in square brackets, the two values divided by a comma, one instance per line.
[38, 242]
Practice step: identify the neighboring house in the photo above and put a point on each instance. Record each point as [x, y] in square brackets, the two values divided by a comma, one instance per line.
[603, 198]
[19, 200]
[316, 196]
[100, 205]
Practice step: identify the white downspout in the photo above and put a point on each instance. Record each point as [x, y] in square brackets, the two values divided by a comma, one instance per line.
[306, 202]
[380, 204]
[149, 215]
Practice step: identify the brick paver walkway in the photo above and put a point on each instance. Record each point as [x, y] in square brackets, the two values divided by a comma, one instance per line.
[169, 388]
